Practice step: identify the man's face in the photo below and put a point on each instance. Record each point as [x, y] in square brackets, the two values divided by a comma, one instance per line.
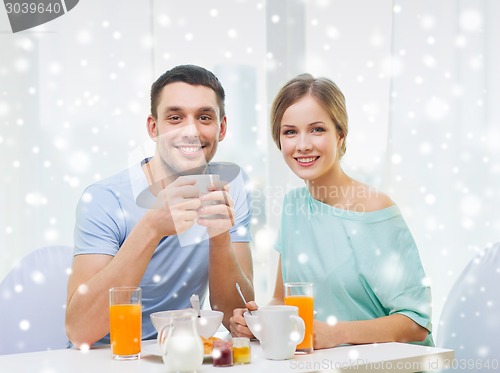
[188, 127]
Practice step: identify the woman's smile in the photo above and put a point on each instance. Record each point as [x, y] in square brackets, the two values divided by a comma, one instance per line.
[306, 161]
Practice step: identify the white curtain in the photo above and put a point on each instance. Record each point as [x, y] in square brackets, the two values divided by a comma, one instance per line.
[443, 158]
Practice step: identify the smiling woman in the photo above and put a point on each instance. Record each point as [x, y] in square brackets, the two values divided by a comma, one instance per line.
[357, 246]
[309, 138]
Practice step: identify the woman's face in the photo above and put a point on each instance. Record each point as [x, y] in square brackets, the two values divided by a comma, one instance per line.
[309, 139]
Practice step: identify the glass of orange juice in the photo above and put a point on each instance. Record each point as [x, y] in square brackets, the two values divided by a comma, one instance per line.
[300, 294]
[125, 322]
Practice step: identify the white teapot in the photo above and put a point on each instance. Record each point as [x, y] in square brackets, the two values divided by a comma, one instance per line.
[180, 345]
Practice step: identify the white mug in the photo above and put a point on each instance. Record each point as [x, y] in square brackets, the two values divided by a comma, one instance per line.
[278, 328]
[203, 183]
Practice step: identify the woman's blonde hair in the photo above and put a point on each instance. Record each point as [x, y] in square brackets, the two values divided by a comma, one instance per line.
[324, 90]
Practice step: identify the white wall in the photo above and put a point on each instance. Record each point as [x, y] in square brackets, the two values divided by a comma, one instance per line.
[445, 132]
[421, 81]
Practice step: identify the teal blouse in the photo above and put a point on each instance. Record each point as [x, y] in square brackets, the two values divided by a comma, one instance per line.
[364, 265]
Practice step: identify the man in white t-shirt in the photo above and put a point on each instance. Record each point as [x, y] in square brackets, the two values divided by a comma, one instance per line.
[146, 227]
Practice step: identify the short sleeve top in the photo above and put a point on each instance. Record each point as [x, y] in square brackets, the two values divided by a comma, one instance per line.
[108, 211]
[364, 265]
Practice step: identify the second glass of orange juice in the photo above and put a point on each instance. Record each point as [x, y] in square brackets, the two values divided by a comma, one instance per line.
[125, 322]
[300, 294]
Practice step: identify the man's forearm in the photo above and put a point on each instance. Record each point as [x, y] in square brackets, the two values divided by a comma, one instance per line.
[226, 267]
[87, 313]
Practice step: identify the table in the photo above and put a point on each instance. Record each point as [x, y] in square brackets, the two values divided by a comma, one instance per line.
[382, 357]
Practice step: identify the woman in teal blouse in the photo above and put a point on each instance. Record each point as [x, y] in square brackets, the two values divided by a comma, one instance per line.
[347, 238]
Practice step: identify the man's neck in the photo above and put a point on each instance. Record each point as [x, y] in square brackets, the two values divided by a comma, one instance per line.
[155, 175]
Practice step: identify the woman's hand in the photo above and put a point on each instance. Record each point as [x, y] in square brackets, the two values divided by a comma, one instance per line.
[237, 324]
[393, 328]
[325, 335]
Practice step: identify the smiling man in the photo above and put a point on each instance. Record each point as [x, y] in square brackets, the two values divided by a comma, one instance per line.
[129, 226]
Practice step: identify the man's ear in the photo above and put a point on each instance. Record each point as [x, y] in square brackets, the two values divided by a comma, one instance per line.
[222, 129]
[152, 127]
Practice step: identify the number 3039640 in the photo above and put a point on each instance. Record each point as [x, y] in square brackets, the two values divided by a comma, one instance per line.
[472, 364]
[33, 8]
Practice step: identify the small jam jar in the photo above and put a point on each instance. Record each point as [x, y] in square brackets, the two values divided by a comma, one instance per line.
[222, 353]
[241, 351]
